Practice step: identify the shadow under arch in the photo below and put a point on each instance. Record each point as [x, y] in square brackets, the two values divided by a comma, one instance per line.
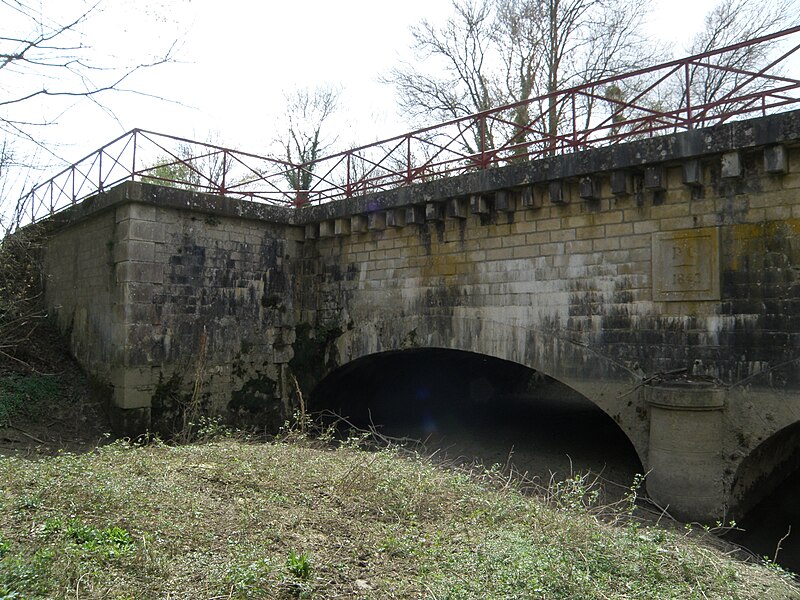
[469, 406]
[608, 384]
[764, 499]
[765, 468]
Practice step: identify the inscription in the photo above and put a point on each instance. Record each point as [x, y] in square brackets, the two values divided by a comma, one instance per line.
[686, 265]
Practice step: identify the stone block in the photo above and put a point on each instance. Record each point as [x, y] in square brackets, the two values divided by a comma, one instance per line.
[692, 172]
[136, 272]
[133, 386]
[555, 190]
[686, 265]
[655, 178]
[529, 197]
[731, 165]
[327, 229]
[775, 159]
[396, 217]
[136, 211]
[620, 183]
[619, 229]
[141, 312]
[584, 220]
[588, 233]
[588, 188]
[605, 244]
[148, 231]
[282, 354]
[358, 224]
[548, 224]
[457, 208]
[376, 221]
[415, 215]
[543, 237]
[478, 205]
[503, 201]
[134, 250]
[562, 235]
[136, 292]
[434, 211]
[312, 231]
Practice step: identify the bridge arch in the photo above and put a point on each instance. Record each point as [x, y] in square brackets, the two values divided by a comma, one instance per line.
[765, 468]
[608, 384]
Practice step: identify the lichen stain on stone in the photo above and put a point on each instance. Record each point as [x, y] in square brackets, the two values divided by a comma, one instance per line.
[314, 354]
[256, 396]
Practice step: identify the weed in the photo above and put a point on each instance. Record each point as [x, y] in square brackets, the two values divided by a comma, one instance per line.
[26, 576]
[209, 429]
[52, 526]
[108, 543]
[28, 503]
[299, 565]
[25, 395]
[250, 580]
[574, 493]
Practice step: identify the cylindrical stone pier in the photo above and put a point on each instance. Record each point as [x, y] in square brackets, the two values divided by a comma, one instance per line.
[685, 450]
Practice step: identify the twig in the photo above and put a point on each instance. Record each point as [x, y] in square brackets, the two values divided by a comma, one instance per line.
[655, 377]
[780, 541]
[78, 586]
[14, 358]
[26, 434]
[302, 402]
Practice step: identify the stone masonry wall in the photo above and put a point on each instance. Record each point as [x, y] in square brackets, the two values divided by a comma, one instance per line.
[177, 308]
[80, 292]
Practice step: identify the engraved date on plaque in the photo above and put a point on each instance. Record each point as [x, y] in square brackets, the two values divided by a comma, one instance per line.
[686, 265]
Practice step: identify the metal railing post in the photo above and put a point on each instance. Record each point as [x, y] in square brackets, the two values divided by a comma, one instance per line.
[133, 160]
[483, 162]
[348, 185]
[224, 171]
[574, 124]
[689, 121]
[408, 159]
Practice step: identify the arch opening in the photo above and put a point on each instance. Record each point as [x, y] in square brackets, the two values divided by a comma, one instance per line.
[765, 492]
[472, 406]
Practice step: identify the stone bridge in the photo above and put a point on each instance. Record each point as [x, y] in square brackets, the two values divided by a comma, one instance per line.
[659, 278]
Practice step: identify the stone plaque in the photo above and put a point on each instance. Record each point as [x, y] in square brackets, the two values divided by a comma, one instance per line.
[686, 265]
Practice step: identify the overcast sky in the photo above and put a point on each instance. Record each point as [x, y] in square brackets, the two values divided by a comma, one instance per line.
[237, 58]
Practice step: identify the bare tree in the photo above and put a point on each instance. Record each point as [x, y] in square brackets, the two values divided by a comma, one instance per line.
[47, 65]
[43, 59]
[304, 141]
[460, 80]
[730, 22]
[498, 52]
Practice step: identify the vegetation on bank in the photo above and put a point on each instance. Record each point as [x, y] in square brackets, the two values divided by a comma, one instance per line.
[236, 519]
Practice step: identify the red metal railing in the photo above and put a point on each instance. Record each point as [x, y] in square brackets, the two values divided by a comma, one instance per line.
[697, 91]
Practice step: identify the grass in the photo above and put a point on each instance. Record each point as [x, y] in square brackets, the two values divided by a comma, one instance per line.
[231, 519]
